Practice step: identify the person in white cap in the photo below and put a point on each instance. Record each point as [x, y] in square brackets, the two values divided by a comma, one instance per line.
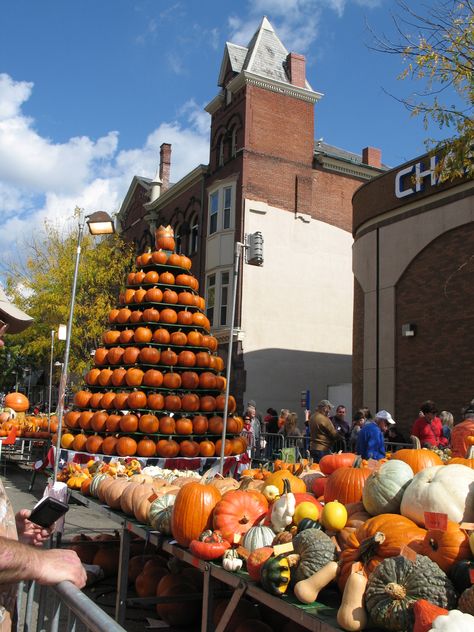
[370, 440]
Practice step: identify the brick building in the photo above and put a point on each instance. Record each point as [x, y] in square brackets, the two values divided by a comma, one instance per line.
[414, 290]
[266, 173]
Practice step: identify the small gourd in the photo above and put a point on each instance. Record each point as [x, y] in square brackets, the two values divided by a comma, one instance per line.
[454, 621]
[352, 615]
[308, 523]
[283, 509]
[231, 561]
[275, 574]
[307, 590]
[258, 537]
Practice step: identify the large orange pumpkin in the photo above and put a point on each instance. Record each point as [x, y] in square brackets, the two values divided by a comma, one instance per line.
[363, 545]
[346, 484]
[237, 512]
[192, 511]
[418, 459]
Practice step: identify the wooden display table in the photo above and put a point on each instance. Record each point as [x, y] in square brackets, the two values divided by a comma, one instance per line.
[318, 617]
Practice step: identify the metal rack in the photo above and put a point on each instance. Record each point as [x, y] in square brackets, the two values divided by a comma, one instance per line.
[318, 617]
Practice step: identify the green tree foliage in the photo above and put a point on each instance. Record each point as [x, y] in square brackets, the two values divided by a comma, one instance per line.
[438, 51]
[40, 283]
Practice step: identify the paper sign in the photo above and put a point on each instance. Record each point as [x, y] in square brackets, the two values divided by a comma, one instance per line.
[471, 575]
[408, 553]
[237, 538]
[154, 623]
[434, 520]
[469, 526]
[279, 549]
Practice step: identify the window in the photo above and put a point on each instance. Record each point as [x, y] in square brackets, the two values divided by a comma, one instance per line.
[221, 152]
[213, 210]
[227, 207]
[194, 238]
[211, 297]
[224, 297]
[233, 143]
[221, 209]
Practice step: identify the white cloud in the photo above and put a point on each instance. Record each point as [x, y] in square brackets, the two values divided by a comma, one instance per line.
[41, 179]
[295, 21]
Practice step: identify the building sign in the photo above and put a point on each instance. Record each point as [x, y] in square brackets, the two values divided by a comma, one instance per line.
[410, 180]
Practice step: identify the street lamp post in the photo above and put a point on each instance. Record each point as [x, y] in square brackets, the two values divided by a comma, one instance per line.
[99, 223]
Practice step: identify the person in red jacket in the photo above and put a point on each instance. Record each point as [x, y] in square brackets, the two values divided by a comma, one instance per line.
[428, 427]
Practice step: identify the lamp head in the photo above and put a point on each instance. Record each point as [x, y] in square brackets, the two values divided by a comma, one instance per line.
[100, 223]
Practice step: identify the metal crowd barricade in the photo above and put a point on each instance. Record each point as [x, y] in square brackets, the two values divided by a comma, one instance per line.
[270, 447]
[61, 608]
[393, 446]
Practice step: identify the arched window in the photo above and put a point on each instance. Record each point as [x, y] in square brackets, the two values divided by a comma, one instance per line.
[194, 234]
[233, 142]
[220, 162]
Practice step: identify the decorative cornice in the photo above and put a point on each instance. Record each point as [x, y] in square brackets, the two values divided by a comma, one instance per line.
[215, 104]
[189, 179]
[347, 168]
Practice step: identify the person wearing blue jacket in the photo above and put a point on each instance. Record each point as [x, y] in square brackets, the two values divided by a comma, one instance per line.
[370, 440]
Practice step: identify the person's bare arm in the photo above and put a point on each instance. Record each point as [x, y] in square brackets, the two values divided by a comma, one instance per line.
[46, 566]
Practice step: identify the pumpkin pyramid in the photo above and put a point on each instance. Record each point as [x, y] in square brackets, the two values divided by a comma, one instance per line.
[157, 388]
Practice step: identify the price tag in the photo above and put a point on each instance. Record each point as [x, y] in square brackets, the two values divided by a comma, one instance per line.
[468, 526]
[471, 575]
[434, 520]
[408, 553]
[279, 549]
[152, 498]
[237, 538]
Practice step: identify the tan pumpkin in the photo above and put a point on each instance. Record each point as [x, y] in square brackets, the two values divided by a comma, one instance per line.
[113, 493]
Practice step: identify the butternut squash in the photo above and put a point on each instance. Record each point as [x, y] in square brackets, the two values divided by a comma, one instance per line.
[307, 590]
[352, 615]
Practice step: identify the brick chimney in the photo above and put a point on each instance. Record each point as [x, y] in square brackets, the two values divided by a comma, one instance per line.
[165, 166]
[372, 156]
[296, 67]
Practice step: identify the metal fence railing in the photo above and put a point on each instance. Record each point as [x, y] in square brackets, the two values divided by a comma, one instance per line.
[60, 608]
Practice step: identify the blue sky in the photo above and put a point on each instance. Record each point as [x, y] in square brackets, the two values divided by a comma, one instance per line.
[90, 89]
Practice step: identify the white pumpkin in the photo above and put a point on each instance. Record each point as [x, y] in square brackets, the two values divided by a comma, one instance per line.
[384, 489]
[445, 489]
[258, 537]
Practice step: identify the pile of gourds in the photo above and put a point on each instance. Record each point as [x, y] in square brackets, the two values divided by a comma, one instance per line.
[369, 537]
[156, 388]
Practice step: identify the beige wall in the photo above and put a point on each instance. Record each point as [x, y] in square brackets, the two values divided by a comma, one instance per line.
[296, 308]
[399, 243]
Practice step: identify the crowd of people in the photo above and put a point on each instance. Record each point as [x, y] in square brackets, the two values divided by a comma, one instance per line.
[368, 435]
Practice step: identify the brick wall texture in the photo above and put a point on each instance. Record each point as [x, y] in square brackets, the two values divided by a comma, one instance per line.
[436, 294]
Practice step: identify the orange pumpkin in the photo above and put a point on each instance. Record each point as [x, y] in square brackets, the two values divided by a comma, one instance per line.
[346, 484]
[161, 336]
[126, 446]
[237, 512]
[417, 459]
[192, 511]
[446, 547]
[167, 448]
[364, 545]
[331, 462]
[297, 485]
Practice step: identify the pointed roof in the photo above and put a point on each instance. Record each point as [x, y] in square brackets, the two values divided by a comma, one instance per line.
[264, 56]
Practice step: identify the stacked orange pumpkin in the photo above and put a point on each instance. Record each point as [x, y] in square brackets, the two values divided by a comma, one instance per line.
[157, 387]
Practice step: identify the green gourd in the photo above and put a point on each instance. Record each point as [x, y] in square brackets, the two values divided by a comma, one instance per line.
[308, 523]
[466, 601]
[315, 549]
[398, 582]
[275, 575]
